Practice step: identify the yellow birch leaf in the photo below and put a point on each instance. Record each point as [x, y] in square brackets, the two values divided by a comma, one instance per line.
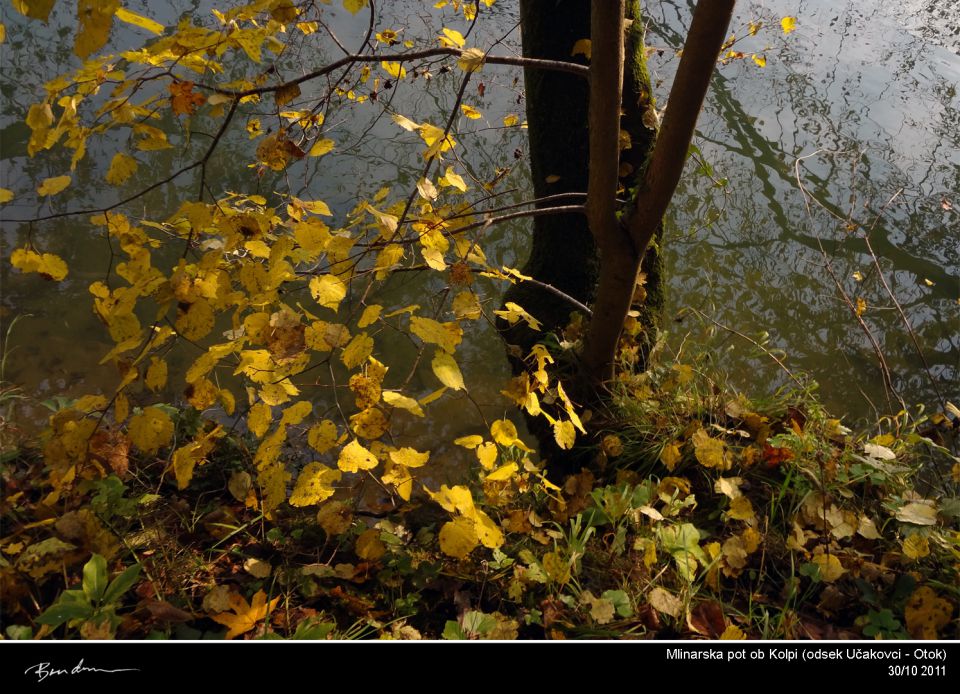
[446, 370]
[354, 457]
[150, 430]
[830, 567]
[466, 306]
[34, 9]
[328, 290]
[47, 265]
[710, 452]
[296, 413]
[409, 457]
[788, 24]
[259, 419]
[470, 112]
[502, 473]
[446, 335]
[369, 423]
[458, 537]
[564, 433]
[125, 15]
[405, 122]
[403, 402]
[3, 33]
[511, 120]
[733, 633]
[321, 147]
[122, 167]
[95, 21]
[741, 509]
[323, 436]
[156, 377]
[487, 454]
[314, 484]
[488, 532]
[369, 547]
[354, 6]
[369, 316]
[916, 547]
[926, 613]
[452, 179]
[503, 432]
[670, 456]
[471, 60]
[355, 353]
[52, 186]
[760, 60]
[401, 479]
[582, 47]
[5, 196]
[469, 442]
[451, 38]
[394, 69]
[454, 499]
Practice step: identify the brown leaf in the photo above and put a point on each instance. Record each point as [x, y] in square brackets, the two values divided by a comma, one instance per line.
[112, 448]
[707, 619]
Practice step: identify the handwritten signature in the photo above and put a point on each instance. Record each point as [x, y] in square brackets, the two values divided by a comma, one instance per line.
[45, 670]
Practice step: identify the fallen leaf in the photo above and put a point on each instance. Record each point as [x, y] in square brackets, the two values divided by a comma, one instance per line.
[245, 615]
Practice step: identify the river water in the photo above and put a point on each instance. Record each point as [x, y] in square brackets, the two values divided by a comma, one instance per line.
[858, 107]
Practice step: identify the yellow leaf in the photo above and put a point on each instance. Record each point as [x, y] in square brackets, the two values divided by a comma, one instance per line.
[409, 457]
[760, 60]
[470, 112]
[458, 537]
[564, 433]
[504, 472]
[487, 454]
[355, 353]
[328, 290]
[710, 452]
[917, 513]
[514, 312]
[454, 499]
[916, 547]
[830, 567]
[447, 335]
[405, 122]
[788, 24]
[503, 432]
[369, 546]
[733, 633]
[452, 179]
[451, 38]
[125, 15]
[487, 530]
[466, 305]
[369, 423]
[52, 186]
[321, 147]
[323, 436]
[403, 402]
[446, 370]
[926, 614]
[47, 265]
[314, 484]
[370, 315]
[394, 69]
[5, 196]
[511, 120]
[35, 9]
[95, 21]
[259, 419]
[156, 377]
[582, 47]
[471, 60]
[354, 6]
[3, 33]
[151, 430]
[246, 615]
[612, 445]
[469, 442]
[122, 167]
[741, 509]
[670, 456]
[354, 457]
[296, 413]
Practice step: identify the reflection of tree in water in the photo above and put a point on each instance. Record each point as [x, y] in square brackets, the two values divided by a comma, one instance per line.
[889, 121]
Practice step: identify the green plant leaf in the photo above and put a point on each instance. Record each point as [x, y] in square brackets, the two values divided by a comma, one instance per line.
[95, 578]
[121, 584]
[61, 612]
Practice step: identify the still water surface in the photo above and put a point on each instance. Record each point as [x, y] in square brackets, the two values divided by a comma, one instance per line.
[858, 107]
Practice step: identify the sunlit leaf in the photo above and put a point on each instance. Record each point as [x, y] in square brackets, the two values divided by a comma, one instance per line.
[245, 615]
[52, 186]
[354, 457]
[314, 484]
